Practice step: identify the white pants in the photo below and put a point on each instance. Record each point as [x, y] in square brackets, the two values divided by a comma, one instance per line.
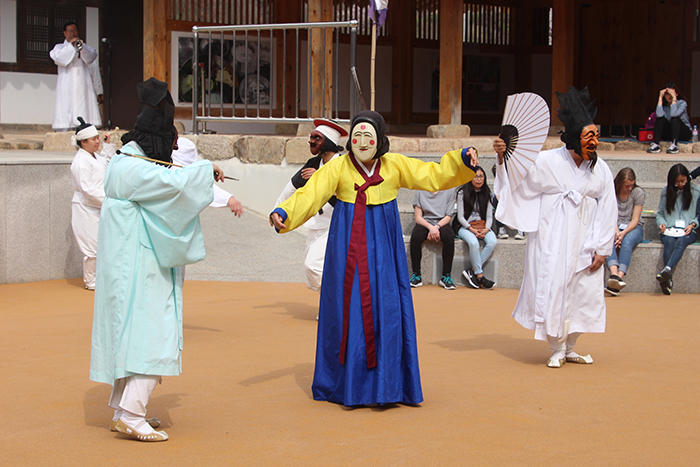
[89, 269]
[133, 393]
[315, 254]
[563, 347]
[85, 221]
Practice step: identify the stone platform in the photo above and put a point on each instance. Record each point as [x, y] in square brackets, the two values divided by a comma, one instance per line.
[37, 241]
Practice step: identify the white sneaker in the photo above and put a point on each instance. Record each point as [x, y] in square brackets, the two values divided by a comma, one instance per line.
[520, 235]
[502, 234]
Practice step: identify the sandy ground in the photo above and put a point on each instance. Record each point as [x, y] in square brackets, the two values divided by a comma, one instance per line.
[244, 397]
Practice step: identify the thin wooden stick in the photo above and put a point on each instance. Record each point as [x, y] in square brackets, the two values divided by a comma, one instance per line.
[162, 162]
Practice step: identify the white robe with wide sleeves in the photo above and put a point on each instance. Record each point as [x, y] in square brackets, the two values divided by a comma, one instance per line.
[570, 213]
[76, 92]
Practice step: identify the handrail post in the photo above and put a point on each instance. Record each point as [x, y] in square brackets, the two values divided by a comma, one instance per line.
[195, 72]
[353, 54]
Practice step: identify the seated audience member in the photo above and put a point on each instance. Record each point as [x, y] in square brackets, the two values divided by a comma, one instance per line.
[672, 121]
[433, 212]
[630, 201]
[475, 217]
[677, 218]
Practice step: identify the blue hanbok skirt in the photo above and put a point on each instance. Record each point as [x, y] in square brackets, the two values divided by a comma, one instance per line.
[396, 378]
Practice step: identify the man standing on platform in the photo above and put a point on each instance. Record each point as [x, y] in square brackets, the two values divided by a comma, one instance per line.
[567, 203]
[78, 88]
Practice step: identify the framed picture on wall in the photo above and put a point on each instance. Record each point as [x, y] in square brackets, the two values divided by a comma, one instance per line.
[234, 71]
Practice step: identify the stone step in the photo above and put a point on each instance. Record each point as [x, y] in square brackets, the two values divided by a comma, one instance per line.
[506, 266]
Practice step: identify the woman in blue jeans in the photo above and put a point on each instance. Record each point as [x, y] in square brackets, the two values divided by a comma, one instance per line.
[630, 201]
[677, 218]
[475, 217]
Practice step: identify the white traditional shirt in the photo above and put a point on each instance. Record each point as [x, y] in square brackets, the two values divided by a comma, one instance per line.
[571, 213]
[320, 221]
[77, 87]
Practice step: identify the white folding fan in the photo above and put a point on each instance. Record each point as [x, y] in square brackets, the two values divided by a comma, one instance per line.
[524, 129]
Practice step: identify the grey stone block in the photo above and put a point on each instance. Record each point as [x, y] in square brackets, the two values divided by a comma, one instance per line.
[448, 131]
[296, 150]
[58, 141]
[305, 129]
[260, 149]
[403, 145]
[61, 141]
[435, 145]
[217, 147]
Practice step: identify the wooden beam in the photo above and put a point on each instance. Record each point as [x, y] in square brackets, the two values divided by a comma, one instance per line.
[286, 12]
[451, 12]
[155, 45]
[403, 31]
[562, 51]
[321, 79]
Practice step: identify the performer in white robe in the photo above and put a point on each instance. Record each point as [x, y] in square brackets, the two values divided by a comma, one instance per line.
[567, 203]
[186, 154]
[323, 144]
[88, 176]
[77, 94]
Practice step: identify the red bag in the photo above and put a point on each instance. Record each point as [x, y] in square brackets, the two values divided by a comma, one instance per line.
[646, 134]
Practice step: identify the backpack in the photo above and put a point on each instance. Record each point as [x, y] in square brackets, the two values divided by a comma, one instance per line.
[651, 121]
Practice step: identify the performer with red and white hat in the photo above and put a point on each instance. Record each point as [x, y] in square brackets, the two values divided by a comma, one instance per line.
[324, 146]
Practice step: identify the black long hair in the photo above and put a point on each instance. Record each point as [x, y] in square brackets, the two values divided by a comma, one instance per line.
[671, 190]
[470, 196]
[679, 94]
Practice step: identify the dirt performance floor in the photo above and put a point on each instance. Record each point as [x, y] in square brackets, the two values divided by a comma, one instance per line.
[244, 397]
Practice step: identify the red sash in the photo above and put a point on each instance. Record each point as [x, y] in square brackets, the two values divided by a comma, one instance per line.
[357, 258]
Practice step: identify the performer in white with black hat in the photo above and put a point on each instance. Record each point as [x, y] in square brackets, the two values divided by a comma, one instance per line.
[88, 176]
[567, 204]
[324, 146]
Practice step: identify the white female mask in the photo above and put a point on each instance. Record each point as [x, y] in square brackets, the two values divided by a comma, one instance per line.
[364, 141]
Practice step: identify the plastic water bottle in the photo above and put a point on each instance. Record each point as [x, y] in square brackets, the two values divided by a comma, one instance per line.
[695, 133]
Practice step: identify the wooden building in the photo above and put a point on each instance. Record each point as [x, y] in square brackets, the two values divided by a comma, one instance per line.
[441, 61]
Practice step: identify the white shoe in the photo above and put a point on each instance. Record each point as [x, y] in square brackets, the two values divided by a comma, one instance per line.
[520, 235]
[143, 433]
[502, 234]
[573, 357]
[556, 362]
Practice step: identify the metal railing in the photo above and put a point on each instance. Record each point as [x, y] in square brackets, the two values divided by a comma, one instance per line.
[213, 84]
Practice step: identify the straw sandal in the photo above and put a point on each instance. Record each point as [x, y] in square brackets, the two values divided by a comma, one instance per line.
[154, 422]
[556, 362]
[152, 437]
[583, 359]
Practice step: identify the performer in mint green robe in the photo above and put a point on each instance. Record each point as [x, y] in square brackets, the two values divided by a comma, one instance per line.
[149, 228]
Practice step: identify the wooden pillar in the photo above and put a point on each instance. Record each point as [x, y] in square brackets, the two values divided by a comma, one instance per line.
[403, 32]
[562, 51]
[321, 79]
[451, 12]
[287, 12]
[154, 40]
